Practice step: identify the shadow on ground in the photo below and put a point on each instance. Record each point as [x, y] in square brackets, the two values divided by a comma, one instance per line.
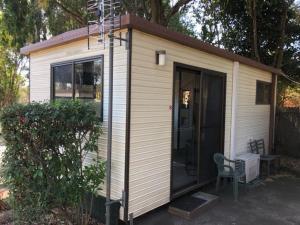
[275, 201]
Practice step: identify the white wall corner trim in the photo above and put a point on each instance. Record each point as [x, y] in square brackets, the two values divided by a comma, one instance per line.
[235, 74]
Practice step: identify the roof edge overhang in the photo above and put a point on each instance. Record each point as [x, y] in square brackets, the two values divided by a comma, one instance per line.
[134, 22]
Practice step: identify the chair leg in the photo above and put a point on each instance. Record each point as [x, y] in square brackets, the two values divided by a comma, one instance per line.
[244, 181]
[269, 168]
[235, 188]
[218, 183]
[246, 186]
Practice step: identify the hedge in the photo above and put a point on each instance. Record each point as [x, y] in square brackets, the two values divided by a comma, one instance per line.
[44, 162]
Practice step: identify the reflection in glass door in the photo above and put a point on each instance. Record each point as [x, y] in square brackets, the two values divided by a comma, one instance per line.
[198, 118]
[185, 154]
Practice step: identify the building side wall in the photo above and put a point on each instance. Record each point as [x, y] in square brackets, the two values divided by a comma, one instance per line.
[151, 109]
[40, 91]
[151, 116]
[252, 121]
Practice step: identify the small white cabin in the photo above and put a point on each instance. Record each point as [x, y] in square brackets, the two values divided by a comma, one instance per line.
[177, 101]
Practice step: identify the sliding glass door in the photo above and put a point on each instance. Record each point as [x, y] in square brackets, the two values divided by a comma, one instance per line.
[198, 126]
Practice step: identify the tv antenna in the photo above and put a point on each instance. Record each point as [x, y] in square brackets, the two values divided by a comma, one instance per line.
[108, 21]
[106, 16]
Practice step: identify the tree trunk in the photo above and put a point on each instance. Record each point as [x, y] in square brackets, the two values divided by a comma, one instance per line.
[278, 58]
[254, 39]
[155, 11]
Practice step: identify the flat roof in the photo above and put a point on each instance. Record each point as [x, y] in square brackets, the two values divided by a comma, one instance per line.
[138, 23]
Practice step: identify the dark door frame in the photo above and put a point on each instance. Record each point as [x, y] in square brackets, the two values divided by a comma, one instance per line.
[200, 71]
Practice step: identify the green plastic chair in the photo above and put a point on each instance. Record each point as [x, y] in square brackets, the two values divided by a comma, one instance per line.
[258, 147]
[233, 169]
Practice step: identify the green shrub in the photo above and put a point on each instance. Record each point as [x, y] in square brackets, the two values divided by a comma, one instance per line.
[44, 163]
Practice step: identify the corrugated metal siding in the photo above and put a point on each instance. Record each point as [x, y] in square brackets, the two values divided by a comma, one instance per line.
[252, 120]
[40, 91]
[151, 117]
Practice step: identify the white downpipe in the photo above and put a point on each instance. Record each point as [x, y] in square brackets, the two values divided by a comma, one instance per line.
[235, 74]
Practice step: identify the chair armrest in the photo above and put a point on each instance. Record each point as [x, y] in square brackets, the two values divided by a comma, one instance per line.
[224, 167]
[239, 166]
[230, 161]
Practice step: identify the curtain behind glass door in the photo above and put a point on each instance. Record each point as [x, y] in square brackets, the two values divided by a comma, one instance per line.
[212, 102]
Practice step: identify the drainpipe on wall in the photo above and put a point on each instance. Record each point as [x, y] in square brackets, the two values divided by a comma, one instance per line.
[273, 115]
[235, 73]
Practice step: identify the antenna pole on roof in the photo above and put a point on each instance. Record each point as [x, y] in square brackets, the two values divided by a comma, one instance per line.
[108, 19]
[110, 112]
[99, 14]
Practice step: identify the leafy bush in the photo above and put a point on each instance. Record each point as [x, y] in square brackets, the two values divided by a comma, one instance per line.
[44, 164]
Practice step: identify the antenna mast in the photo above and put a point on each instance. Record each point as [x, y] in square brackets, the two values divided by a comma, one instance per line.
[108, 20]
[106, 17]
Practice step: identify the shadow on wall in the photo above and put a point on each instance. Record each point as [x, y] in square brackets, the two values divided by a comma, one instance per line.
[287, 141]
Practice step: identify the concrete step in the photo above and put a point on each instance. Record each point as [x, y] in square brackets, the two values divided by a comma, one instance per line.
[189, 206]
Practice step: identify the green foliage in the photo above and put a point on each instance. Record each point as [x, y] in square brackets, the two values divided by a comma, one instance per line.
[64, 15]
[163, 12]
[45, 160]
[31, 20]
[158, 11]
[228, 24]
[180, 24]
[24, 21]
[10, 79]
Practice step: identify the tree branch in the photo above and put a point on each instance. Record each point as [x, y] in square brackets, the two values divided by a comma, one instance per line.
[73, 14]
[175, 9]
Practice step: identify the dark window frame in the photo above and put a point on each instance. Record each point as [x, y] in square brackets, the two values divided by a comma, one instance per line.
[72, 63]
[261, 101]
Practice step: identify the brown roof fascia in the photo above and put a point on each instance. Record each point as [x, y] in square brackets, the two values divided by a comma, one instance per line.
[68, 37]
[131, 21]
[163, 32]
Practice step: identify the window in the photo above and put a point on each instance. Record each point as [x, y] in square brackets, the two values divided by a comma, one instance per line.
[263, 93]
[80, 79]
